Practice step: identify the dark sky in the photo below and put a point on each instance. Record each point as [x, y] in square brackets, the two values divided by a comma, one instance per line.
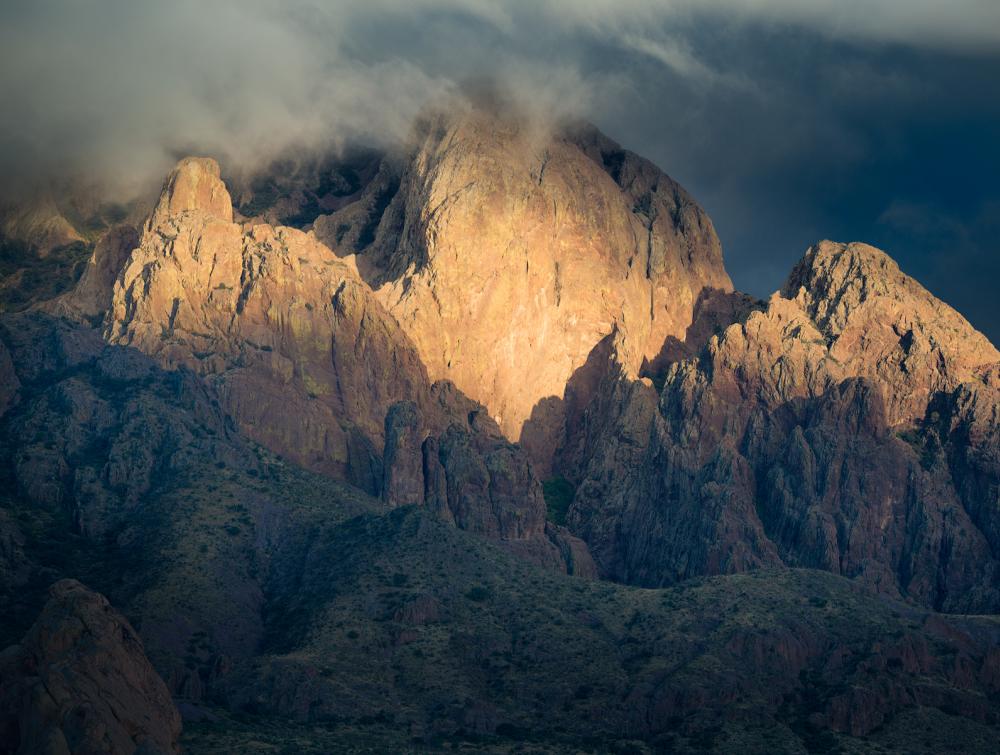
[790, 121]
[854, 141]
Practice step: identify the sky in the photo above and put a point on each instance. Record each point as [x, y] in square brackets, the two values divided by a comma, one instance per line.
[789, 121]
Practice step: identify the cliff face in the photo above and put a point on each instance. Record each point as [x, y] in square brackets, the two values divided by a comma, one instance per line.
[578, 294]
[301, 353]
[506, 254]
[473, 477]
[494, 255]
[297, 346]
[814, 432]
[499, 257]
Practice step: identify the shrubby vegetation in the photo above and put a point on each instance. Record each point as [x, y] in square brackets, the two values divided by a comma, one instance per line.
[559, 493]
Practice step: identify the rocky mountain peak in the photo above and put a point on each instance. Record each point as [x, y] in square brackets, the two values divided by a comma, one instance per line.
[508, 251]
[830, 264]
[800, 434]
[194, 185]
[880, 323]
[254, 307]
[837, 280]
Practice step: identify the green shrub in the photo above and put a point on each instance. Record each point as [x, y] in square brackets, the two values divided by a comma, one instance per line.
[559, 494]
[478, 593]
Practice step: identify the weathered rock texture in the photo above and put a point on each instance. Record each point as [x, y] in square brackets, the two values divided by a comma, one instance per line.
[303, 356]
[506, 254]
[88, 300]
[80, 683]
[307, 361]
[472, 476]
[845, 426]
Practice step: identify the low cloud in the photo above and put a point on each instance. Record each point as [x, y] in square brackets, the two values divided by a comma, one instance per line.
[116, 87]
[790, 120]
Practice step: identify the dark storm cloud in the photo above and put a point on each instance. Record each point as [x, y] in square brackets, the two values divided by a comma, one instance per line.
[791, 121]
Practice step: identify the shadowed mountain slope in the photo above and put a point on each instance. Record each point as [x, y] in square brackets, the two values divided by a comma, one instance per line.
[79, 683]
[830, 429]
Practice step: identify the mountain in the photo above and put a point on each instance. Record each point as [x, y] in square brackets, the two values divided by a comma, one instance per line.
[48, 238]
[273, 601]
[827, 428]
[79, 682]
[507, 253]
[543, 249]
[308, 363]
[472, 444]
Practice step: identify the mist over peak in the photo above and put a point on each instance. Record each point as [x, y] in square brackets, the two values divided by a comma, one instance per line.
[788, 121]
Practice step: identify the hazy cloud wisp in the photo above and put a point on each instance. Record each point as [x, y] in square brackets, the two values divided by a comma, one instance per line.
[790, 121]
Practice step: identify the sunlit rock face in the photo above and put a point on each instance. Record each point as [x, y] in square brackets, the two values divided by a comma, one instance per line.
[507, 253]
[309, 363]
[296, 343]
[845, 425]
[881, 324]
[493, 255]
[193, 186]
[578, 294]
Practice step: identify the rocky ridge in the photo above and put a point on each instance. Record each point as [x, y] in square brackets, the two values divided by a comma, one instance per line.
[288, 332]
[882, 325]
[848, 425]
[808, 433]
[255, 309]
[695, 465]
[699, 430]
[301, 353]
[79, 682]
